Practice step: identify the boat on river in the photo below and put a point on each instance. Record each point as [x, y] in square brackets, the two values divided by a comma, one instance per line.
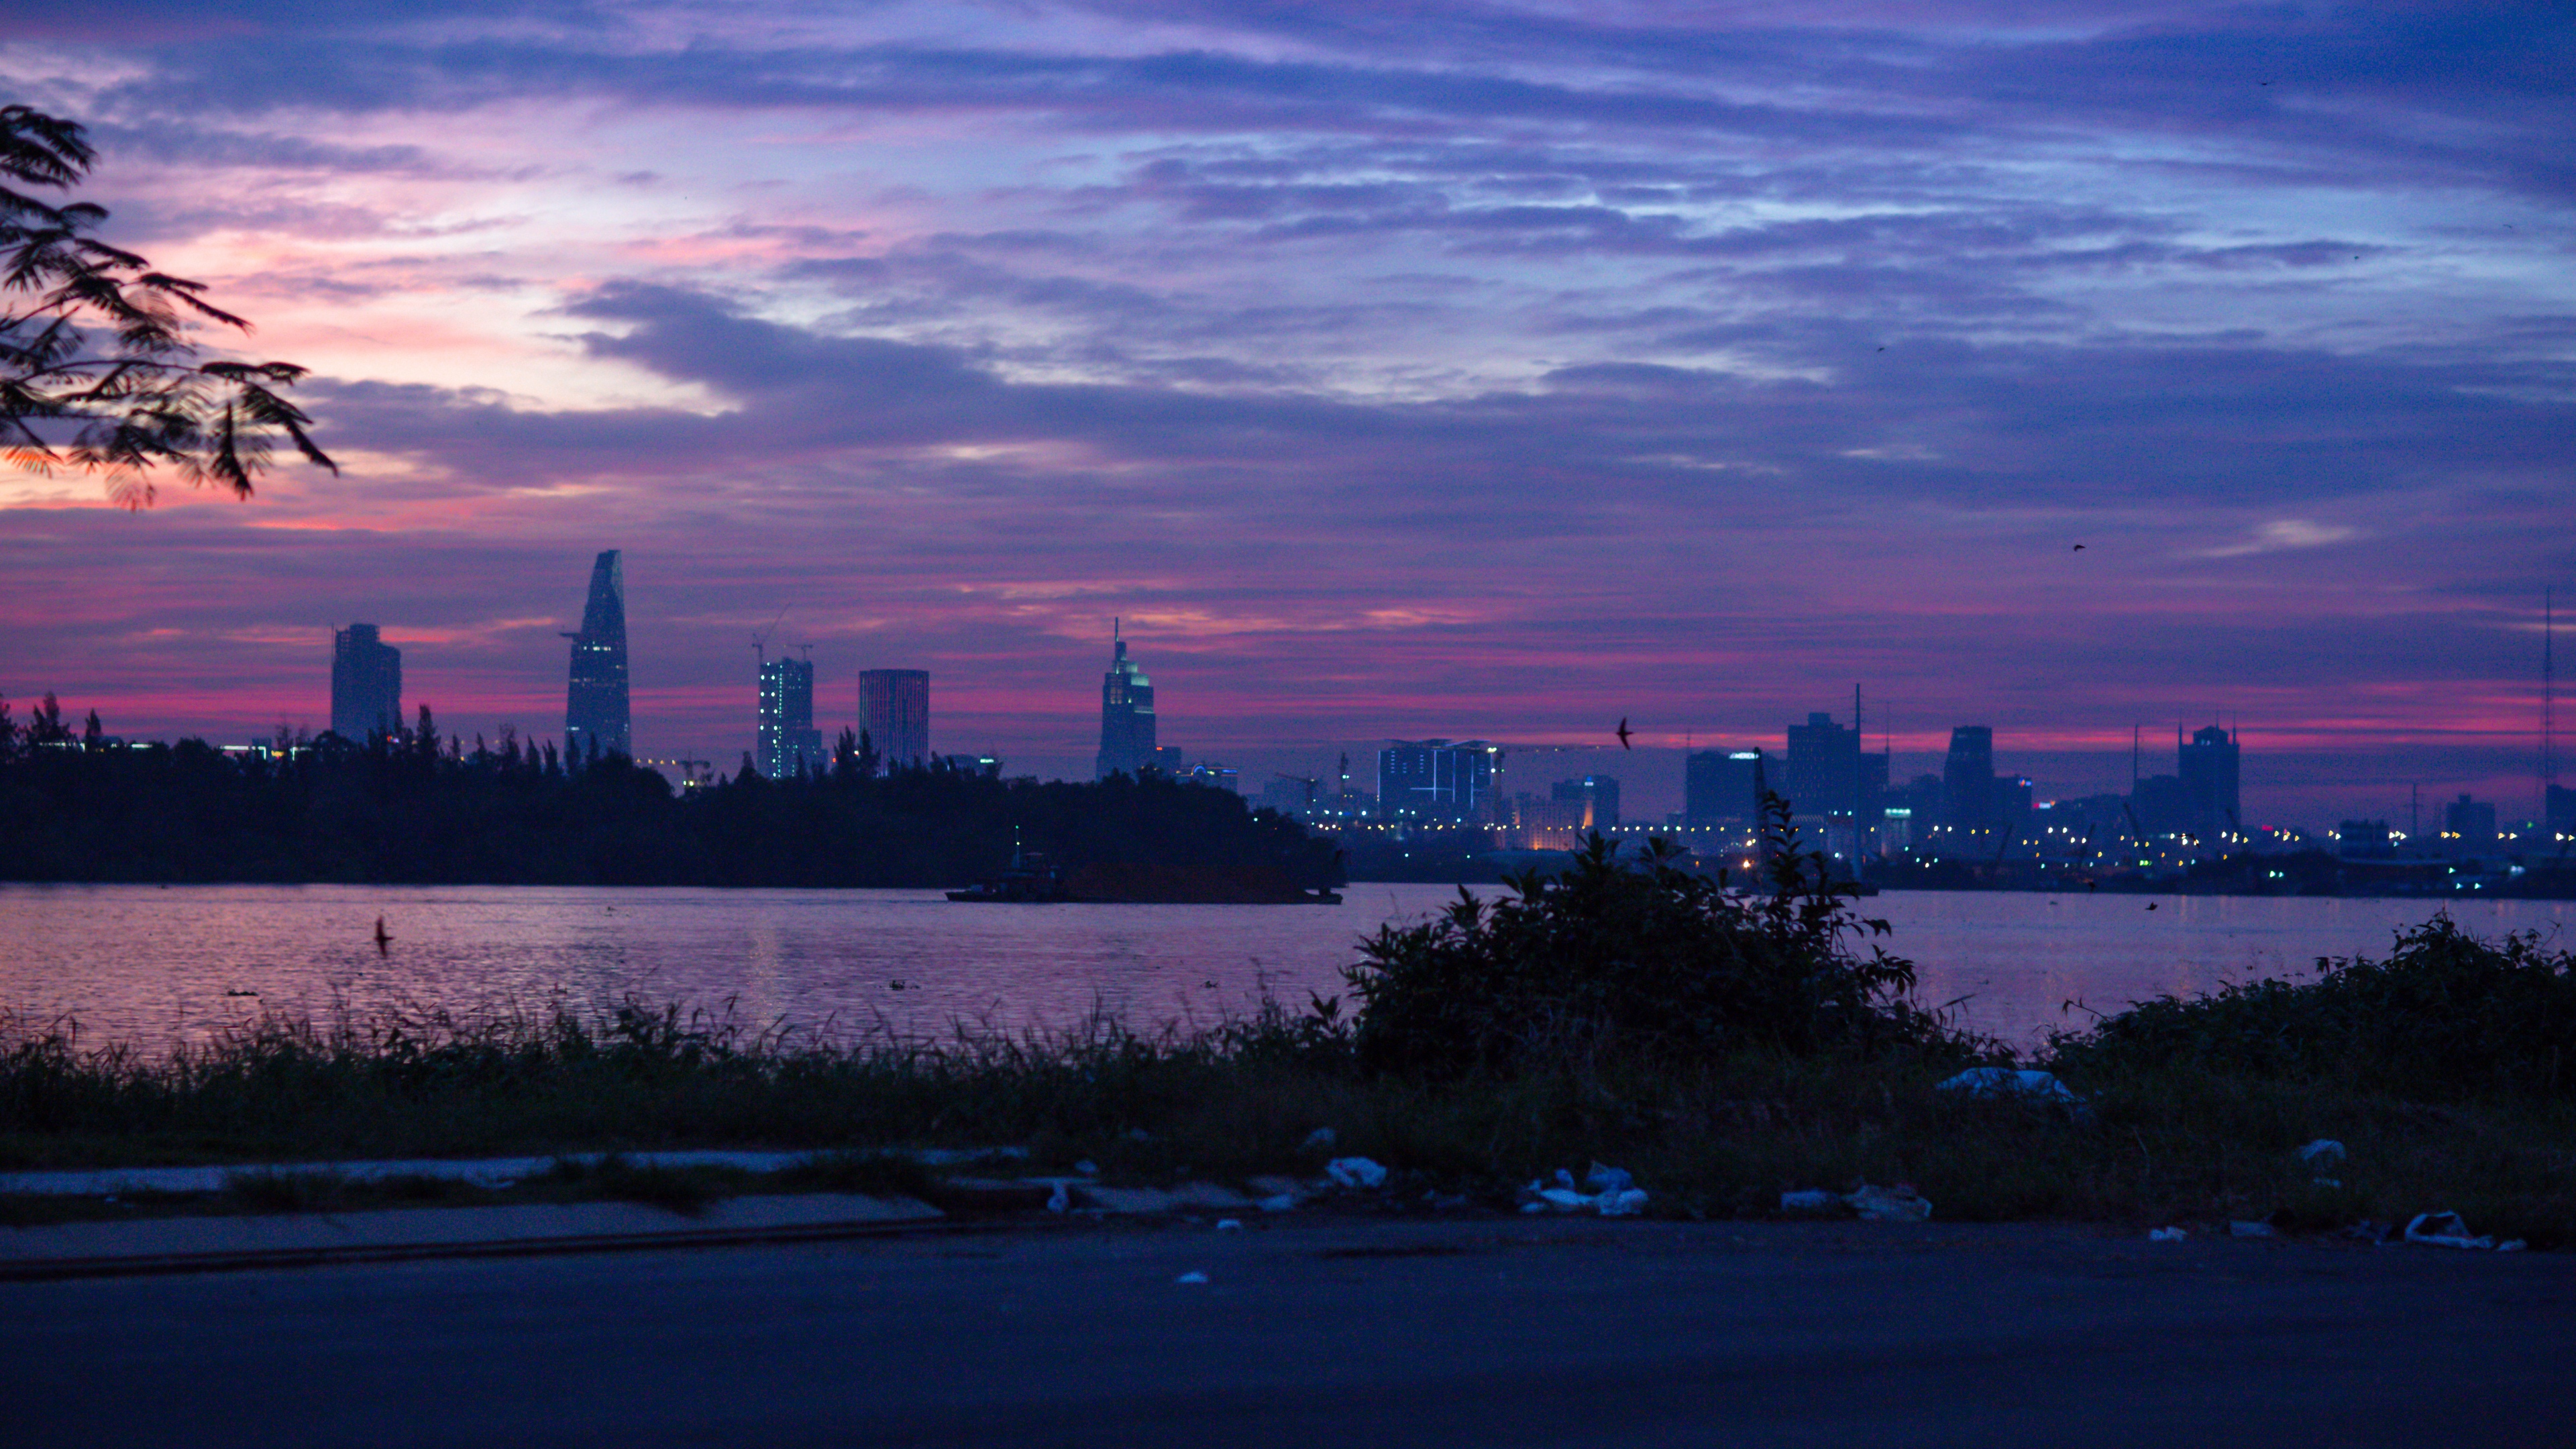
[1028, 880]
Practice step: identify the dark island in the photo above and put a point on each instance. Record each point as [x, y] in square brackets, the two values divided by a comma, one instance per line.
[419, 808]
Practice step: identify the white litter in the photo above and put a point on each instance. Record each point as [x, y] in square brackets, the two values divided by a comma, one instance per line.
[2444, 1230]
[2166, 1235]
[1322, 1139]
[1614, 1193]
[1282, 1203]
[2005, 1082]
[1059, 1200]
[1229, 1225]
[1899, 1204]
[1191, 1278]
[2250, 1230]
[1087, 1167]
[1808, 1200]
[2324, 1152]
[1355, 1172]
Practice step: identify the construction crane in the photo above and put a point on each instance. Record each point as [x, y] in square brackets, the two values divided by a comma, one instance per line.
[760, 640]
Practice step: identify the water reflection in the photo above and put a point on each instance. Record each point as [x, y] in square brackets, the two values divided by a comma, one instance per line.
[151, 966]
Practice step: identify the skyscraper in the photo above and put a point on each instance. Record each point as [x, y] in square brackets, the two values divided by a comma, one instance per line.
[2207, 766]
[595, 712]
[366, 683]
[1722, 786]
[894, 709]
[1597, 794]
[1439, 780]
[1824, 767]
[1968, 793]
[1126, 715]
[787, 742]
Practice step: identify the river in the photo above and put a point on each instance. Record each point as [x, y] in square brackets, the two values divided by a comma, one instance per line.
[151, 966]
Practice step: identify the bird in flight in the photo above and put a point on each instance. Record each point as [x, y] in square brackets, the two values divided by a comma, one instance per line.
[2151, 905]
[2079, 548]
[1622, 732]
[384, 938]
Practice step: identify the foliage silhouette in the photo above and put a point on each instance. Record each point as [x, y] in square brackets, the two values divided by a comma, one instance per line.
[1640, 960]
[418, 807]
[98, 366]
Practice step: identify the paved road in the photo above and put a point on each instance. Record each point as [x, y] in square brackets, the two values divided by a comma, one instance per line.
[1314, 1334]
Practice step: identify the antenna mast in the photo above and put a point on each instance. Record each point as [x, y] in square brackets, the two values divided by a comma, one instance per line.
[2548, 698]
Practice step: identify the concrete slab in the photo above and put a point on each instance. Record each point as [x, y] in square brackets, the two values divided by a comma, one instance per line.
[483, 1172]
[197, 1243]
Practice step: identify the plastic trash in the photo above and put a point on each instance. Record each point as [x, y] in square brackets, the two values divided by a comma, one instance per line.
[1898, 1204]
[1059, 1200]
[1229, 1225]
[1808, 1200]
[2444, 1230]
[1621, 1202]
[2166, 1235]
[2512, 1245]
[2250, 1230]
[1285, 1202]
[1322, 1139]
[1355, 1172]
[1087, 1167]
[2005, 1082]
[1191, 1278]
[1616, 1194]
[2324, 1152]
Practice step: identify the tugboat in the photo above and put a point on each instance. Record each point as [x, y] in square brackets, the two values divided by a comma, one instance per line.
[1027, 880]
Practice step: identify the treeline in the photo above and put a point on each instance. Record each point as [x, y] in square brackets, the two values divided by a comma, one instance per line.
[416, 807]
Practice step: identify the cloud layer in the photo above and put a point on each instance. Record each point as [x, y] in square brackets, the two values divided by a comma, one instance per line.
[1458, 368]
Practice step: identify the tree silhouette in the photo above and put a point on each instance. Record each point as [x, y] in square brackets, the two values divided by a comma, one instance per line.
[98, 366]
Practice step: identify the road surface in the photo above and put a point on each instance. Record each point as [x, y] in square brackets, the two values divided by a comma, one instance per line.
[1316, 1333]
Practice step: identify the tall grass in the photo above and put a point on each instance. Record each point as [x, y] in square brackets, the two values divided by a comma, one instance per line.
[1477, 1061]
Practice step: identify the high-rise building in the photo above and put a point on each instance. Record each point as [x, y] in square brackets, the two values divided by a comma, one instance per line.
[2468, 826]
[1439, 780]
[595, 711]
[1126, 715]
[788, 743]
[2208, 772]
[1598, 795]
[1723, 786]
[1968, 791]
[894, 709]
[1824, 767]
[366, 684]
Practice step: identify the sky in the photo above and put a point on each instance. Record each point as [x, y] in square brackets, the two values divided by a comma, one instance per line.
[1393, 369]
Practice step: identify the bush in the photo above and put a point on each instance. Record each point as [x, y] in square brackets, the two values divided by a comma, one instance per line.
[2446, 1018]
[1645, 959]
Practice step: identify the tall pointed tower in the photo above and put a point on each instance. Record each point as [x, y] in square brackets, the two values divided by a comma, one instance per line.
[595, 709]
[1126, 714]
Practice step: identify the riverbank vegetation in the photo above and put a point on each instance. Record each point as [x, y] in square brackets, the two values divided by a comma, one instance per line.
[1721, 1049]
[419, 808]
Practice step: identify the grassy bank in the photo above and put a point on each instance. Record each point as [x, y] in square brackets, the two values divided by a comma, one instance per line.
[1721, 1051]
[2161, 1141]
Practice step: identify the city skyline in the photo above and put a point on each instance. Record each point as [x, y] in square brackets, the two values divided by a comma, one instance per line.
[1450, 371]
[1817, 759]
